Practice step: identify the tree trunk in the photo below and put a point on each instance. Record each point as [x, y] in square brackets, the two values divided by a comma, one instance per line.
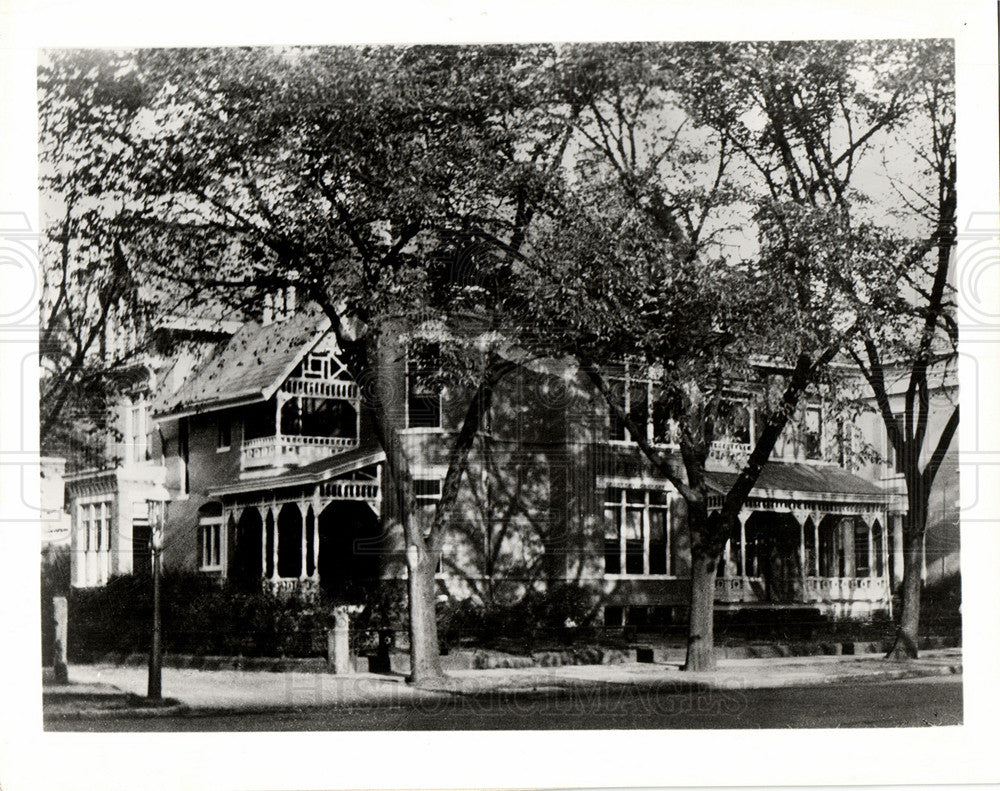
[701, 624]
[425, 655]
[904, 646]
[704, 561]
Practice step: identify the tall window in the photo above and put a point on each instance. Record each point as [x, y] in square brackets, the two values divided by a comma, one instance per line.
[812, 433]
[733, 422]
[210, 542]
[640, 400]
[225, 432]
[138, 447]
[423, 388]
[94, 542]
[636, 532]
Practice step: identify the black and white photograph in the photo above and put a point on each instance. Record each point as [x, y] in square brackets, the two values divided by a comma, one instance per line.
[525, 386]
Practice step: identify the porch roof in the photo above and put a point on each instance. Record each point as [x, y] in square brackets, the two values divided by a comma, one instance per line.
[307, 474]
[826, 481]
[249, 367]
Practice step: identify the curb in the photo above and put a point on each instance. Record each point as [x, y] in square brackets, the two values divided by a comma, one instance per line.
[143, 712]
[540, 688]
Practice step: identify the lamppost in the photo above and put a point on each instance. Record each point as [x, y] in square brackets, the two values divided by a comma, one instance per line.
[157, 509]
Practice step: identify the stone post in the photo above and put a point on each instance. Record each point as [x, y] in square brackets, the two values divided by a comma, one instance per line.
[59, 644]
[338, 643]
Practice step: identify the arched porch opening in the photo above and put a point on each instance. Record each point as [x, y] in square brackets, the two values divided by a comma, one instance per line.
[245, 569]
[289, 541]
[351, 549]
[773, 543]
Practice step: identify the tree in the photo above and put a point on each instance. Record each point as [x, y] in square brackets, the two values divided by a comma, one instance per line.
[96, 302]
[919, 341]
[392, 186]
[684, 141]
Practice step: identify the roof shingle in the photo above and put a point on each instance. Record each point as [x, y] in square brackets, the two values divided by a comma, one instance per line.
[250, 366]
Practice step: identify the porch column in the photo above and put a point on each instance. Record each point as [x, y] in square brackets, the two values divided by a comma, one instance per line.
[744, 515]
[846, 547]
[316, 510]
[263, 542]
[801, 517]
[227, 514]
[274, 542]
[816, 522]
[871, 546]
[303, 505]
[726, 554]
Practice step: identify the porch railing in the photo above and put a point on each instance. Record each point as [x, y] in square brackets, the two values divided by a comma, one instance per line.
[846, 589]
[816, 589]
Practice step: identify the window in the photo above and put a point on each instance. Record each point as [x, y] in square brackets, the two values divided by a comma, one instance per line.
[636, 532]
[225, 438]
[94, 542]
[812, 433]
[210, 542]
[733, 422]
[641, 401]
[142, 539]
[427, 492]
[138, 447]
[845, 444]
[423, 390]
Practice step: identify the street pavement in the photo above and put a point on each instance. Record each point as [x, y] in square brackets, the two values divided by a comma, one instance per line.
[111, 692]
[850, 704]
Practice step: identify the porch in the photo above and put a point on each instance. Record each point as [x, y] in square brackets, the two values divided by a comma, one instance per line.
[820, 556]
[311, 529]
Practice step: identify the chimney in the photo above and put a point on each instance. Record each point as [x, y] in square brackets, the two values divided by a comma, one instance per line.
[268, 316]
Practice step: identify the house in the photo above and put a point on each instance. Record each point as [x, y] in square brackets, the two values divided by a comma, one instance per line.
[109, 502]
[274, 479]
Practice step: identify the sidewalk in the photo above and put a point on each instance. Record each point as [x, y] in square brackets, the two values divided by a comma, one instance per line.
[234, 690]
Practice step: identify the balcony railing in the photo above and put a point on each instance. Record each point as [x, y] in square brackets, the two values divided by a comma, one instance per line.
[291, 450]
[320, 388]
[729, 450]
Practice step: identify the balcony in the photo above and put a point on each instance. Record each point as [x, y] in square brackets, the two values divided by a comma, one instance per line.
[291, 451]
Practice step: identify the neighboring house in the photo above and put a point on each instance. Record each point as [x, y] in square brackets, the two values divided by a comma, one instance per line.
[109, 505]
[55, 522]
[941, 541]
[276, 480]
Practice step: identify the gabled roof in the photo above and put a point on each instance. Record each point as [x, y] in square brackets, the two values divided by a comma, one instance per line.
[826, 480]
[250, 367]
